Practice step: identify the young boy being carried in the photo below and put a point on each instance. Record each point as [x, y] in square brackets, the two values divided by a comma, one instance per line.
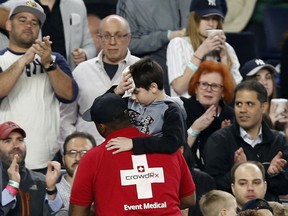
[151, 111]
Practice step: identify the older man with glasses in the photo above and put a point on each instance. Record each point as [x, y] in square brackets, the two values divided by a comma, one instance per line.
[97, 75]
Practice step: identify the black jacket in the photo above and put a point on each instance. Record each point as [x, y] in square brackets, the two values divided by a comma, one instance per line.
[219, 157]
[31, 194]
[194, 110]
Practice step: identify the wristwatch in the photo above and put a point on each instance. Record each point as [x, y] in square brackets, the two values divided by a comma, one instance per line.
[52, 66]
[49, 192]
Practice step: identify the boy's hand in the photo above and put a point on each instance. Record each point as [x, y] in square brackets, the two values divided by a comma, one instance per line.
[121, 144]
[126, 82]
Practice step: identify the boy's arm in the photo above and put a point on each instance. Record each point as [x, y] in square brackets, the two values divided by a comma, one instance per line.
[174, 135]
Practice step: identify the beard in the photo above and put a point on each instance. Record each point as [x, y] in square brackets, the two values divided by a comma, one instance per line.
[26, 42]
[71, 170]
[7, 158]
[23, 40]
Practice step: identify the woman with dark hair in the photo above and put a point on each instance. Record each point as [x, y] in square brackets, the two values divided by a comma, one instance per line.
[211, 89]
[257, 69]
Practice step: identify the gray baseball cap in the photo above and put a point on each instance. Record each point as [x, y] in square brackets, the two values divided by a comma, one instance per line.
[30, 7]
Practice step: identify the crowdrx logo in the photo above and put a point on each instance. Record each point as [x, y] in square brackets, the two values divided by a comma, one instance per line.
[142, 176]
[141, 169]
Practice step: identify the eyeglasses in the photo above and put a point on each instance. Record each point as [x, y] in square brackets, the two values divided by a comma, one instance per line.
[74, 153]
[117, 37]
[214, 86]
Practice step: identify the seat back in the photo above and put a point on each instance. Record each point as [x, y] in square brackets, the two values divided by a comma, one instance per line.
[275, 25]
[243, 44]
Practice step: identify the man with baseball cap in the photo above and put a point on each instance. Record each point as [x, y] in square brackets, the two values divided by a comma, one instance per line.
[25, 192]
[67, 25]
[133, 184]
[33, 80]
[8, 127]
[106, 108]
[30, 7]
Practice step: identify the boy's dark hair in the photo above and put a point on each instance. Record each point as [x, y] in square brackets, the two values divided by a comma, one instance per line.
[253, 85]
[145, 72]
[258, 164]
[77, 134]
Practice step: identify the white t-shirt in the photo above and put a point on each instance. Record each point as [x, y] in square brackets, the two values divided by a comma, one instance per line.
[32, 104]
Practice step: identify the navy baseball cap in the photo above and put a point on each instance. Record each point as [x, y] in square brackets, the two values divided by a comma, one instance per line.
[8, 127]
[30, 7]
[206, 8]
[257, 203]
[106, 108]
[253, 66]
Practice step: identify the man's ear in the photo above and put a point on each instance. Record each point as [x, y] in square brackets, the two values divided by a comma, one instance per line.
[129, 38]
[264, 107]
[233, 189]
[8, 25]
[101, 129]
[265, 183]
[63, 160]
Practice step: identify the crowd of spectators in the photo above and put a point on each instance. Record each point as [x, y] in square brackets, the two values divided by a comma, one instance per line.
[72, 73]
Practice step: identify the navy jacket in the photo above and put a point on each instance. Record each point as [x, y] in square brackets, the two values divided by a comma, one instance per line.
[219, 157]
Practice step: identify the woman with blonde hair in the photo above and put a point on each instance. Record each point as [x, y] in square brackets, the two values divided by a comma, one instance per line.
[185, 54]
